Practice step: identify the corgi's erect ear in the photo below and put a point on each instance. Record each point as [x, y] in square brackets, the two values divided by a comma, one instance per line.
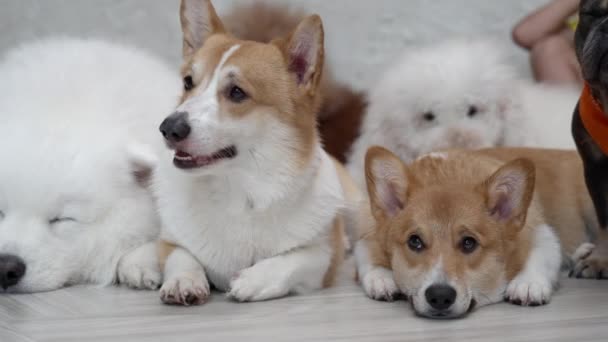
[304, 52]
[199, 21]
[387, 182]
[509, 191]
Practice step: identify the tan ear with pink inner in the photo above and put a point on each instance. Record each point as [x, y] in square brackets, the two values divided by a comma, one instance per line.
[387, 182]
[199, 21]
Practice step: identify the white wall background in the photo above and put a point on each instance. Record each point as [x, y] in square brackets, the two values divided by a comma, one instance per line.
[362, 35]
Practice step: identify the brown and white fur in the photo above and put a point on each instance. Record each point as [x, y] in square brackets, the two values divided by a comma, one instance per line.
[459, 229]
[251, 204]
[342, 108]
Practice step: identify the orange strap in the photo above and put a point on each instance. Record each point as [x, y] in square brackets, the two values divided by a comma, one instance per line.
[594, 119]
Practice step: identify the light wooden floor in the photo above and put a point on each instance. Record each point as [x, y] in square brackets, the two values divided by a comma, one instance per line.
[579, 312]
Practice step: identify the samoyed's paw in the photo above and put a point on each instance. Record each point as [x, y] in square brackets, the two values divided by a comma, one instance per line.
[139, 269]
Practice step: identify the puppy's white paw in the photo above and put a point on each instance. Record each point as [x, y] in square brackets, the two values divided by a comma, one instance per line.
[379, 284]
[253, 284]
[139, 276]
[186, 289]
[590, 261]
[529, 290]
[139, 269]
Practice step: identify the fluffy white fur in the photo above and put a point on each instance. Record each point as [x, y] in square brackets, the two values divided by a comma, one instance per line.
[449, 80]
[79, 127]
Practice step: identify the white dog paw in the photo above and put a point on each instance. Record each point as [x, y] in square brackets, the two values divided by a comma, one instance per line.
[379, 284]
[139, 277]
[252, 285]
[590, 261]
[139, 269]
[529, 290]
[185, 290]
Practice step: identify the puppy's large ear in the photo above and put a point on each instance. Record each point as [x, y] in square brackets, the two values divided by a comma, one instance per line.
[199, 21]
[387, 182]
[509, 191]
[304, 52]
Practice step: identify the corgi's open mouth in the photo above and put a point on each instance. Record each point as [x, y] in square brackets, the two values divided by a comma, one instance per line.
[185, 160]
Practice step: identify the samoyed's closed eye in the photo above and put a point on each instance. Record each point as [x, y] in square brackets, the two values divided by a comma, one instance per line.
[459, 94]
[78, 130]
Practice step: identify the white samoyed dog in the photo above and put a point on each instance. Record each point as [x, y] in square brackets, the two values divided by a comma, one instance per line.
[461, 93]
[79, 130]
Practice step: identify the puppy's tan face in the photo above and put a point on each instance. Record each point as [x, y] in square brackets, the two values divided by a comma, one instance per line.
[446, 252]
[239, 76]
[244, 102]
[446, 242]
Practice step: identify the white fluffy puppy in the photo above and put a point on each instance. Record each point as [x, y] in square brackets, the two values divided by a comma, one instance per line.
[460, 94]
[76, 118]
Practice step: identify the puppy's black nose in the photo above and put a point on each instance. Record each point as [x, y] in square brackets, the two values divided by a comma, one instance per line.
[175, 128]
[440, 297]
[12, 269]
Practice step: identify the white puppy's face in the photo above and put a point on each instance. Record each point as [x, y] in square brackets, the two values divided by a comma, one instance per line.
[40, 241]
[67, 215]
[445, 96]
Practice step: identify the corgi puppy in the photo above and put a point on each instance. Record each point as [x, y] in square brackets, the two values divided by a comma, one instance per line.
[250, 203]
[342, 108]
[460, 229]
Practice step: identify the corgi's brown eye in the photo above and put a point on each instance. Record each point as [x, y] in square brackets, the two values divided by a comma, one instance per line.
[236, 94]
[429, 116]
[415, 243]
[188, 83]
[468, 245]
[473, 110]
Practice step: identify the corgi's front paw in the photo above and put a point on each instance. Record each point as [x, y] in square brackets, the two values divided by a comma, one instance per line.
[254, 284]
[590, 261]
[379, 284]
[187, 289]
[529, 290]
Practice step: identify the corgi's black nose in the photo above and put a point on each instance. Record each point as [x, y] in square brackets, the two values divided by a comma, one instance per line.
[175, 127]
[12, 269]
[440, 297]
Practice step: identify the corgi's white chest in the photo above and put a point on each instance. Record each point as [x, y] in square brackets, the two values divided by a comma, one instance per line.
[228, 234]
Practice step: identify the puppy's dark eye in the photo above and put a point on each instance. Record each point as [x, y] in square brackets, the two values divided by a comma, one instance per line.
[415, 243]
[468, 245]
[236, 94]
[188, 83]
[1, 214]
[429, 116]
[473, 111]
